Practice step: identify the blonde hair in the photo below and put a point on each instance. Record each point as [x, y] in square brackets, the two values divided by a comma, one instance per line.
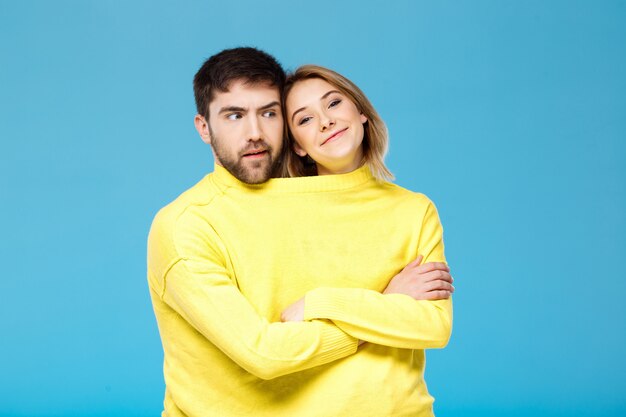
[375, 137]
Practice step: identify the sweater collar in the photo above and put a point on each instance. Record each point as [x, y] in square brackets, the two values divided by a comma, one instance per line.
[300, 185]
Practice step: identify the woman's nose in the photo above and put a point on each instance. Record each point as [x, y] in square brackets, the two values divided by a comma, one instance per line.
[326, 123]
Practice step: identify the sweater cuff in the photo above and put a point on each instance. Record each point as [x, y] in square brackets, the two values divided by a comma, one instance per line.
[336, 343]
[326, 303]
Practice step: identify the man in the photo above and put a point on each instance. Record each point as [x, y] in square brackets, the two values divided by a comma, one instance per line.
[230, 254]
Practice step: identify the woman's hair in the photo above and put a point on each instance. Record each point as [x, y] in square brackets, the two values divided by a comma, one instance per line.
[375, 138]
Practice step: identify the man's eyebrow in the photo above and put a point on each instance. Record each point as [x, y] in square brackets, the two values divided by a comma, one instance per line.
[229, 109]
[270, 105]
[321, 98]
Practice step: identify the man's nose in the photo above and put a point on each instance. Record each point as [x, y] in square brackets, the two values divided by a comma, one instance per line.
[254, 129]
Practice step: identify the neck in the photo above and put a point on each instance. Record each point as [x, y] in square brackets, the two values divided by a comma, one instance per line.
[353, 165]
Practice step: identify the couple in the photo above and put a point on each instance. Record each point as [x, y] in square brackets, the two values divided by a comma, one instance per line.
[309, 296]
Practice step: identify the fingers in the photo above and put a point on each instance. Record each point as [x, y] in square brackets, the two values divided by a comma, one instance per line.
[437, 295]
[439, 285]
[433, 266]
[436, 275]
[416, 262]
[433, 290]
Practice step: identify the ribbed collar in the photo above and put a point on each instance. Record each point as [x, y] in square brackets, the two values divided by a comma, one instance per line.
[298, 185]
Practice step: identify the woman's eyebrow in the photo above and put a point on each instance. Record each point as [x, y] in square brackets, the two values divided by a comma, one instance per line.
[329, 93]
[321, 98]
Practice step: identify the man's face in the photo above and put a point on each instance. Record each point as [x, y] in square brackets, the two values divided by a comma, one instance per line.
[245, 130]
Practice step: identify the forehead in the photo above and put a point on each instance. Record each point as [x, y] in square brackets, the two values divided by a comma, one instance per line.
[244, 94]
[308, 91]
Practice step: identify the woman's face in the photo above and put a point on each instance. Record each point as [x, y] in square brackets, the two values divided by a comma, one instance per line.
[326, 125]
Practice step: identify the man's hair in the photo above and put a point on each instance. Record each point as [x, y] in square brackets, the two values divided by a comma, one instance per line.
[248, 64]
[375, 136]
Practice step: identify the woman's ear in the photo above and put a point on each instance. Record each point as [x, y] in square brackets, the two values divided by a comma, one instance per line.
[298, 150]
[363, 118]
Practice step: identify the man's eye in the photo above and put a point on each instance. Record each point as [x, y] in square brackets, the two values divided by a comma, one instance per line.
[334, 103]
[304, 120]
[269, 113]
[234, 116]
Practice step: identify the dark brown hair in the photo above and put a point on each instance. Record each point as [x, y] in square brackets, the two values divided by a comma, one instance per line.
[244, 63]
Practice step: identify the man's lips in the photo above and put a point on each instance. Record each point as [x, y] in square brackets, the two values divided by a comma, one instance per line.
[334, 136]
[255, 153]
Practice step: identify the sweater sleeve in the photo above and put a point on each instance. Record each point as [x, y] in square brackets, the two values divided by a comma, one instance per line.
[394, 320]
[198, 286]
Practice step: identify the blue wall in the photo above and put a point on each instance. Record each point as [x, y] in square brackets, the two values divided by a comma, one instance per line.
[511, 116]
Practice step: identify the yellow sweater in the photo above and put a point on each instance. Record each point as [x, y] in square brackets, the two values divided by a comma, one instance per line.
[225, 258]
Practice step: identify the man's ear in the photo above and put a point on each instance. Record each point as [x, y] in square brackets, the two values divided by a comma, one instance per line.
[298, 150]
[202, 126]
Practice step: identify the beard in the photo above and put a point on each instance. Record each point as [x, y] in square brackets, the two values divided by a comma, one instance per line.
[255, 171]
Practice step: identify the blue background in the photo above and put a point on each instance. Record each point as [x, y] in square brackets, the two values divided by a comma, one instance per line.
[511, 116]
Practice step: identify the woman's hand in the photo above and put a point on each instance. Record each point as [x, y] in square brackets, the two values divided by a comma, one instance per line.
[431, 281]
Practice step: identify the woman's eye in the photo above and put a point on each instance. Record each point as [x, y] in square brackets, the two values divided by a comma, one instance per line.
[304, 120]
[334, 103]
[234, 116]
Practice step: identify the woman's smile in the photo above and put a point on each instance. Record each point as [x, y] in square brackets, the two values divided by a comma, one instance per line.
[334, 136]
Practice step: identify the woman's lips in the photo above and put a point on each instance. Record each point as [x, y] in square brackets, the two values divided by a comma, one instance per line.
[334, 136]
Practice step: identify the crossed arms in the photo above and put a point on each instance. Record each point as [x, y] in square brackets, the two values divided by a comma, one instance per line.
[198, 287]
[367, 314]
[420, 321]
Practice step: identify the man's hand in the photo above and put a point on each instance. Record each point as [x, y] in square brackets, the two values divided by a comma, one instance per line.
[294, 312]
[431, 281]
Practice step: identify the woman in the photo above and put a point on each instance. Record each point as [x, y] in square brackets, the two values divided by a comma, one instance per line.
[335, 131]
[309, 109]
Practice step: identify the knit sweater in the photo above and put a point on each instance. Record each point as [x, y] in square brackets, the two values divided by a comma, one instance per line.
[226, 258]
